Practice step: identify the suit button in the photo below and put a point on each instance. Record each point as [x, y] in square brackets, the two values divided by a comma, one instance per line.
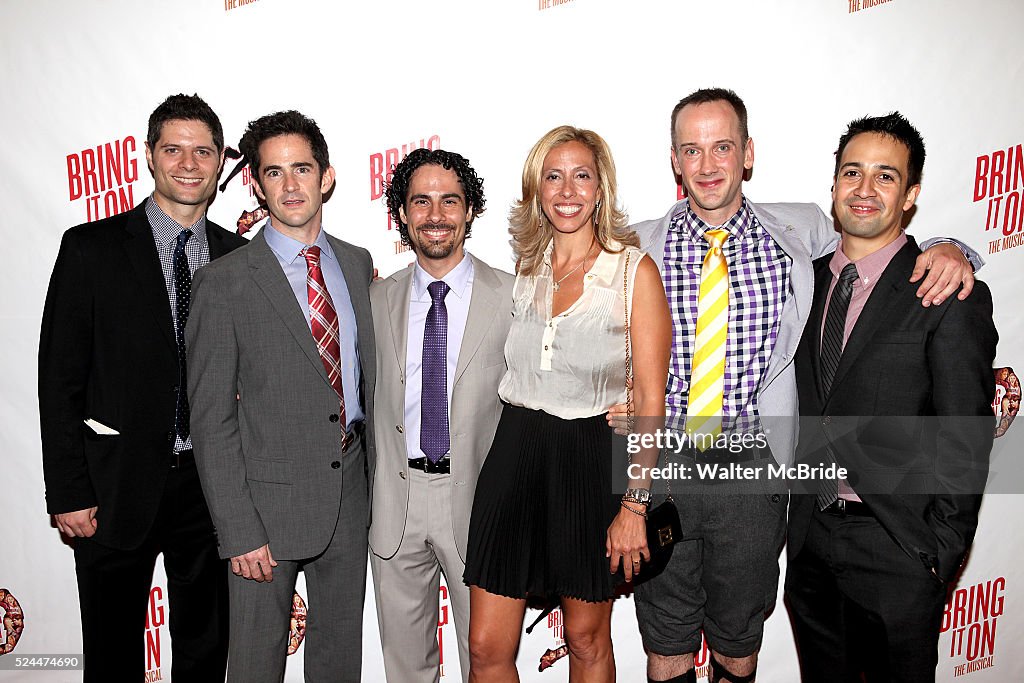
[402, 475]
[335, 465]
[776, 497]
[333, 417]
[399, 428]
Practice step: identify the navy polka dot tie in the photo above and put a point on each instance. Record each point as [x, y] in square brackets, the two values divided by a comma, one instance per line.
[183, 300]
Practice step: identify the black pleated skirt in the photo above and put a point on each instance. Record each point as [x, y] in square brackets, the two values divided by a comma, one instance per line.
[542, 509]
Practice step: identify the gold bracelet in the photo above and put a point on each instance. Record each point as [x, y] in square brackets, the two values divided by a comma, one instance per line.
[635, 512]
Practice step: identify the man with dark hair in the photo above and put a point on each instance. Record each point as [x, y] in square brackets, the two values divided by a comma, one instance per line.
[872, 554]
[731, 370]
[281, 356]
[436, 407]
[114, 415]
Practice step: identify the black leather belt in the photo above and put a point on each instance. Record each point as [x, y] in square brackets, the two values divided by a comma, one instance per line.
[181, 458]
[442, 466]
[848, 508]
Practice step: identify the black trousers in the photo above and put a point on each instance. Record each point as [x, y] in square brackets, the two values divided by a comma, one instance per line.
[860, 604]
[114, 587]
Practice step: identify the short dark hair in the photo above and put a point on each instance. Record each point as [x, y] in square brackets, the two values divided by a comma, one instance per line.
[397, 189]
[282, 123]
[705, 95]
[895, 126]
[182, 107]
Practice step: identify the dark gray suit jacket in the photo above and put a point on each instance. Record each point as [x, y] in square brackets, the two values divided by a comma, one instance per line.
[269, 460]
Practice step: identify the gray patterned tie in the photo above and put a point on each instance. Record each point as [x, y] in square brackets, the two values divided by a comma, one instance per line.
[831, 352]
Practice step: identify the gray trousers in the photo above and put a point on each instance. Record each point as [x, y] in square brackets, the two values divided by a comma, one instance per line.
[406, 586]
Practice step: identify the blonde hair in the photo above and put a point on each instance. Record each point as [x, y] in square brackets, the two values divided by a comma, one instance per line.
[530, 229]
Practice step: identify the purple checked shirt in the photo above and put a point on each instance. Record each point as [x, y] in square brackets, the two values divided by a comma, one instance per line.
[758, 281]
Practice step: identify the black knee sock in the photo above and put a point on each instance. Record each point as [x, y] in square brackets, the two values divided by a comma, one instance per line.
[718, 672]
[688, 677]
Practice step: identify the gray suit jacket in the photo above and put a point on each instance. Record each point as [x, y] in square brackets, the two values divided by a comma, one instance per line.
[269, 461]
[474, 409]
[804, 233]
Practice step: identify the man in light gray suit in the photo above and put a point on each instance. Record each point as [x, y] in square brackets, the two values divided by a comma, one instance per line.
[441, 326]
[280, 351]
[723, 578]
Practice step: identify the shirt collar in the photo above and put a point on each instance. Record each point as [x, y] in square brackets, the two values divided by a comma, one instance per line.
[457, 279]
[166, 229]
[691, 225]
[871, 267]
[288, 248]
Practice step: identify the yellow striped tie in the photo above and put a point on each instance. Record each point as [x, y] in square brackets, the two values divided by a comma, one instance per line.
[707, 374]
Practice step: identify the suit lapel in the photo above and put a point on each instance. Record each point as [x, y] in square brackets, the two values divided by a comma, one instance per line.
[266, 272]
[876, 310]
[215, 240]
[483, 307]
[141, 251]
[398, 294]
[798, 294]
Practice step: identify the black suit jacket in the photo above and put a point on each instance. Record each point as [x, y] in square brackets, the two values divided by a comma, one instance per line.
[107, 352]
[903, 367]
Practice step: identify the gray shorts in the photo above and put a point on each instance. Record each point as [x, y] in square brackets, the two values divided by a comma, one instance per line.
[723, 577]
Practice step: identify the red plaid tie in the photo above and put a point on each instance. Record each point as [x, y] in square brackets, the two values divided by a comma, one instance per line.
[323, 322]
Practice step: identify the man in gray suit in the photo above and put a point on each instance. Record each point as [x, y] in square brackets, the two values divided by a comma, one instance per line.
[723, 578]
[280, 357]
[441, 326]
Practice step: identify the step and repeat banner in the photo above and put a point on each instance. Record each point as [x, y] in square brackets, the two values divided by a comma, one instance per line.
[487, 79]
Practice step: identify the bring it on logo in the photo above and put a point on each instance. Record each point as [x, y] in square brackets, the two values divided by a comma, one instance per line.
[103, 175]
[970, 618]
[13, 620]
[999, 179]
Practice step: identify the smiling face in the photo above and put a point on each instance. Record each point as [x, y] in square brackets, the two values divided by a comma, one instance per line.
[292, 185]
[185, 164]
[436, 212]
[569, 188]
[870, 193]
[711, 156]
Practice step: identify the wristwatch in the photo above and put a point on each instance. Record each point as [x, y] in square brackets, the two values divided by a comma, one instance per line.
[642, 496]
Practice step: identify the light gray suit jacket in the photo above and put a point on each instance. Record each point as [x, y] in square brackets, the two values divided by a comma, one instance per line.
[474, 409]
[804, 233]
[269, 461]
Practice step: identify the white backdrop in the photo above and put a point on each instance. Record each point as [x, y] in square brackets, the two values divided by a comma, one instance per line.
[486, 79]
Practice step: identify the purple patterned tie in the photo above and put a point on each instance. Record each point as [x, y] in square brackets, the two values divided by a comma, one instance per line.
[434, 441]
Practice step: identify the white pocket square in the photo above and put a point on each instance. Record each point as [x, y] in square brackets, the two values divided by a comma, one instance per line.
[101, 428]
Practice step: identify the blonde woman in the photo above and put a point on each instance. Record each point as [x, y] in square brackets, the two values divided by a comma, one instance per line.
[545, 518]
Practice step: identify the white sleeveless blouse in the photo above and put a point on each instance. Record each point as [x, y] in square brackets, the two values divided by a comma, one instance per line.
[572, 365]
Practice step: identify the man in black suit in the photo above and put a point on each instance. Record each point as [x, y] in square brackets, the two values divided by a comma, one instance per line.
[899, 395]
[117, 453]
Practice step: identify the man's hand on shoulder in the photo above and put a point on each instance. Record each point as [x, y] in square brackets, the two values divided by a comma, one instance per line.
[256, 564]
[79, 523]
[947, 268]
